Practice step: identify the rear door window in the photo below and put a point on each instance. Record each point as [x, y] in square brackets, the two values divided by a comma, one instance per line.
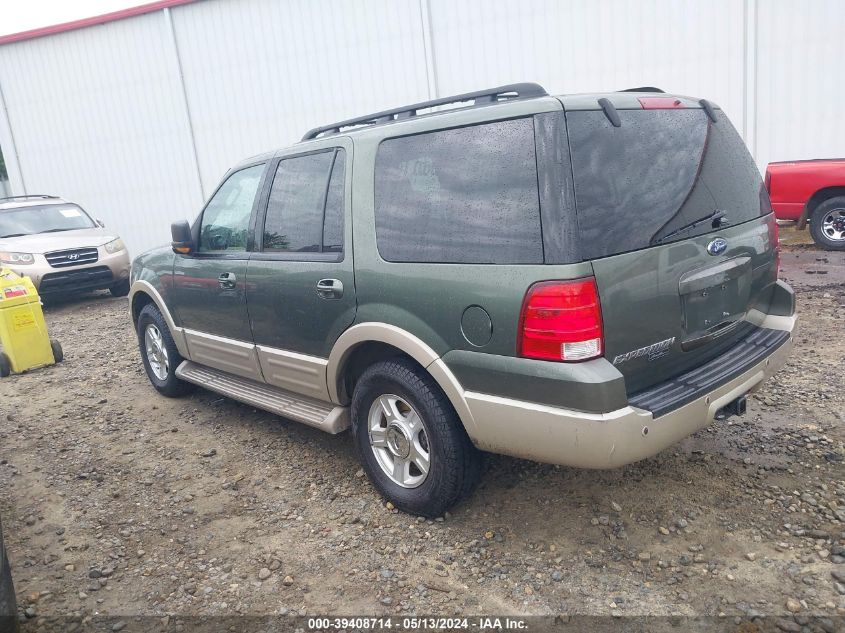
[466, 195]
[305, 209]
[659, 171]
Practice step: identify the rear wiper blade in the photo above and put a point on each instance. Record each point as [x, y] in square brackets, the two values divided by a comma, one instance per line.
[717, 216]
[13, 235]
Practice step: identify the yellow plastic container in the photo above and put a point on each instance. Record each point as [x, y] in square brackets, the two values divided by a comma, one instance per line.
[23, 332]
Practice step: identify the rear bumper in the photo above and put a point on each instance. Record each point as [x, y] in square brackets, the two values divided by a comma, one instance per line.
[608, 440]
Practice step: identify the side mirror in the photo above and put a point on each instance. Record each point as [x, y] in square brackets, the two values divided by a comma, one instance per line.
[183, 241]
[101, 224]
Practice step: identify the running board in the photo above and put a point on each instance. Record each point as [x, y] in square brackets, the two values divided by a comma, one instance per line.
[322, 415]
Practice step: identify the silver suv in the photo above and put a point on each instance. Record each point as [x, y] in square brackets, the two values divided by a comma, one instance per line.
[56, 244]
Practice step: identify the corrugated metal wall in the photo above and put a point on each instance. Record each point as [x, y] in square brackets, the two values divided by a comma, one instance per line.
[96, 119]
[303, 63]
[691, 48]
[800, 84]
[138, 119]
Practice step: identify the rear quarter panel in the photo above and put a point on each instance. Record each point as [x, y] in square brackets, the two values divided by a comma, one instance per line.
[429, 299]
[791, 184]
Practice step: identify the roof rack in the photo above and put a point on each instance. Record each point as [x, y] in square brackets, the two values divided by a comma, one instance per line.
[30, 197]
[479, 98]
[643, 89]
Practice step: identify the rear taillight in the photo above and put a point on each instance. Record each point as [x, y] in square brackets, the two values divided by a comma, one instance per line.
[561, 321]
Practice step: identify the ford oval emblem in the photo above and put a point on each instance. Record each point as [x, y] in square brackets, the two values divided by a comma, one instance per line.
[717, 246]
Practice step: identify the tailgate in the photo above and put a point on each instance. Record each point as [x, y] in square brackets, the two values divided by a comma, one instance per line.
[673, 215]
[668, 309]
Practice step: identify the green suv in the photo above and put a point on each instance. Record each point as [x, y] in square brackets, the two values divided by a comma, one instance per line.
[580, 280]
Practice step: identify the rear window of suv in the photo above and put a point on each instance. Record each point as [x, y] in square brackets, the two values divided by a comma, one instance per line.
[466, 195]
[659, 171]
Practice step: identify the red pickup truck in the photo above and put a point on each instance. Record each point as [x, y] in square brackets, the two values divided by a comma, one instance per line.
[811, 191]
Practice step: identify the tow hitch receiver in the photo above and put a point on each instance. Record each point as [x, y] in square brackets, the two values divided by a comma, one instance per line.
[735, 407]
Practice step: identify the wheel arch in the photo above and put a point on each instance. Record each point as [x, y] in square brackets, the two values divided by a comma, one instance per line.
[823, 194]
[141, 294]
[365, 343]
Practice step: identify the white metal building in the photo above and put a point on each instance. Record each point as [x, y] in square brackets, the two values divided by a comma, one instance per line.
[137, 115]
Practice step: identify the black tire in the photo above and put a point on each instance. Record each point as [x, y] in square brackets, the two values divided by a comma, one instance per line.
[170, 386]
[58, 354]
[8, 608]
[454, 463]
[817, 218]
[120, 289]
[5, 365]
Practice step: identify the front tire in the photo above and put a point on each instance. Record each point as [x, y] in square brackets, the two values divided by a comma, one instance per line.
[159, 353]
[827, 224]
[410, 440]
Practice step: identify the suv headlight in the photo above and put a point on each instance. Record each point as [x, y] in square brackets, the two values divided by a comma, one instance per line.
[114, 246]
[17, 258]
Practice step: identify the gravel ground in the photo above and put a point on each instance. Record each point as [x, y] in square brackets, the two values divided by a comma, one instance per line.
[118, 501]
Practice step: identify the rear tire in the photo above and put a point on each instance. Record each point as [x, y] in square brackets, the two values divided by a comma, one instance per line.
[159, 353]
[120, 289]
[5, 365]
[827, 224]
[400, 414]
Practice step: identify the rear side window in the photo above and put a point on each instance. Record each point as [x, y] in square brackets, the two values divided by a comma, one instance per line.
[659, 171]
[466, 195]
[305, 209]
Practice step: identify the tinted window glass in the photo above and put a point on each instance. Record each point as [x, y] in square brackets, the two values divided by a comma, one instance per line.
[333, 226]
[467, 195]
[303, 189]
[225, 221]
[659, 171]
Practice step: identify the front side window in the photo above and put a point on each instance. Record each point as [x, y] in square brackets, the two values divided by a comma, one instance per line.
[466, 195]
[225, 221]
[305, 209]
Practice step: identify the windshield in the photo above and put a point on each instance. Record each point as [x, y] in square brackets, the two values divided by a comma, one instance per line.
[49, 218]
[663, 176]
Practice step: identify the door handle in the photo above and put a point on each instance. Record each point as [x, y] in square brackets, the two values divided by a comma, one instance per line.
[330, 289]
[227, 281]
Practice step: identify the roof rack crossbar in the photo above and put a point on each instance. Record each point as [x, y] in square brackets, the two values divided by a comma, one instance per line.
[34, 196]
[481, 97]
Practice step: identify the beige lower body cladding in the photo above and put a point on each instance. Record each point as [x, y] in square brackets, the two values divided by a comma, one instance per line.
[608, 440]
